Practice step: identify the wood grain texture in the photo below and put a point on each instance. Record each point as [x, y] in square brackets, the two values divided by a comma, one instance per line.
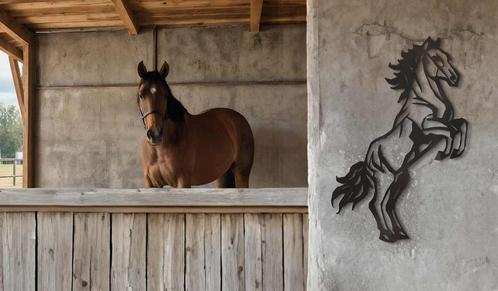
[74, 14]
[272, 252]
[212, 197]
[253, 252]
[91, 262]
[166, 252]
[256, 10]
[212, 251]
[14, 29]
[293, 253]
[55, 251]
[16, 77]
[10, 49]
[232, 252]
[28, 82]
[17, 251]
[128, 264]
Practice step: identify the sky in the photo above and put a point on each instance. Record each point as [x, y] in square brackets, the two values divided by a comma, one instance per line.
[7, 93]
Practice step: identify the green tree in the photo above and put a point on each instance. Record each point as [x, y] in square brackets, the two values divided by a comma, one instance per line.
[10, 131]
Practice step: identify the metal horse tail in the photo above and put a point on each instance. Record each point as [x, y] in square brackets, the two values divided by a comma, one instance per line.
[356, 186]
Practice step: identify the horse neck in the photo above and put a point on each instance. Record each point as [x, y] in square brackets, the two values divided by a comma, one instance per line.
[432, 92]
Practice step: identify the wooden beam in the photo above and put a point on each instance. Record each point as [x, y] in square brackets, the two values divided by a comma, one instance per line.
[14, 29]
[256, 10]
[28, 77]
[16, 77]
[11, 50]
[126, 16]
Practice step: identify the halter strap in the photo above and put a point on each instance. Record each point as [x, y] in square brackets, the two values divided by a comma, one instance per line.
[143, 115]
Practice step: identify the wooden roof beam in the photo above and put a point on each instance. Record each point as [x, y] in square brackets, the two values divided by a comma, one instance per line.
[16, 77]
[126, 15]
[15, 30]
[256, 10]
[11, 50]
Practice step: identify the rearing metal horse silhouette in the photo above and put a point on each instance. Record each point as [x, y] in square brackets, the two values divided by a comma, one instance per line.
[426, 118]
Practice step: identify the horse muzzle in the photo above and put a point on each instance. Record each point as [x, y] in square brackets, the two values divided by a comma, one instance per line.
[154, 136]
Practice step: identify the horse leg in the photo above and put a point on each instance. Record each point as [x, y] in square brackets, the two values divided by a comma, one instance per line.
[461, 125]
[227, 180]
[241, 177]
[376, 209]
[401, 181]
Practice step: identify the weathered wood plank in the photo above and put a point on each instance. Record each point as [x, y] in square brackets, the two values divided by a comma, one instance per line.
[232, 252]
[293, 253]
[165, 252]
[195, 277]
[253, 257]
[55, 250]
[17, 251]
[272, 252]
[91, 262]
[305, 248]
[128, 252]
[277, 197]
[212, 246]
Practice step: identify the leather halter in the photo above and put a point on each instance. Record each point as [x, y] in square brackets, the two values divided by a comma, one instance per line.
[143, 115]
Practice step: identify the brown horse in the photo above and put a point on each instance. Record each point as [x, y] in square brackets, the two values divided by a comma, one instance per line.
[182, 149]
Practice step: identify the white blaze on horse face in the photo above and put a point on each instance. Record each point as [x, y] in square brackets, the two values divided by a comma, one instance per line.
[153, 90]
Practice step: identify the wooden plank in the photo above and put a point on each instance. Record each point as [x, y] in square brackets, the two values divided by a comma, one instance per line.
[212, 246]
[55, 251]
[212, 197]
[16, 77]
[91, 260]
[127, 16]
[256, 10]
[253, 257]
[193, 209]
[272, 252]
[293, 253]
[232, 252]
[17, 251]
[305, 248]
[128, 252]
[14, 29]
[29, 93]
[203, 252]
[10, 49]
[166, 252]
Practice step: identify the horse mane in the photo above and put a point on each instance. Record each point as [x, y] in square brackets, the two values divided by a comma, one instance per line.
[405, 69]
[174, 108]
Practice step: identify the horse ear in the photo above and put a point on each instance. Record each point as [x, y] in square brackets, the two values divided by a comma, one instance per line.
[142, 70]
[164, 70]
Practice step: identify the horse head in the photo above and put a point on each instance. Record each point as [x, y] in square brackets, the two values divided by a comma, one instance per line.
[438, 63]
[152, 101]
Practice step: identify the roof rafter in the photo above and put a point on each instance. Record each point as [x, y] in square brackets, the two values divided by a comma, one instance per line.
[15, 30]
[126, 15]
[256, 10]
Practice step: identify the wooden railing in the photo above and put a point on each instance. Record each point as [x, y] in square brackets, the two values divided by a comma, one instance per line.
[153, 239]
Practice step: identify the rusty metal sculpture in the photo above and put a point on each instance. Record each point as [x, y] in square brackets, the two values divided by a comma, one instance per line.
[425, 120]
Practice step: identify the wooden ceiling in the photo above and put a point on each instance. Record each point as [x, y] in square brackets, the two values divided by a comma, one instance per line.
[54, 15]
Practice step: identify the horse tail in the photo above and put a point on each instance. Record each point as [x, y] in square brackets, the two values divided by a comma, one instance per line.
[356, 186]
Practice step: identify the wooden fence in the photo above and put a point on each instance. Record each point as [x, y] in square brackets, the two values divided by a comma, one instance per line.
[196, 239]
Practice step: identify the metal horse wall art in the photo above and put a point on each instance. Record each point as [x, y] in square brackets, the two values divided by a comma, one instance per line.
[426, 119]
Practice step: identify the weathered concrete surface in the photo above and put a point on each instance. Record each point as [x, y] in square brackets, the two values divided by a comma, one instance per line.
[221, 54]
[92, 58]
[450, 208]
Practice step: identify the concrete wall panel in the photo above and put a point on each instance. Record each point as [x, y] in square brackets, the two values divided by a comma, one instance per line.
[450, 207]
[221, 54]
[92, 58]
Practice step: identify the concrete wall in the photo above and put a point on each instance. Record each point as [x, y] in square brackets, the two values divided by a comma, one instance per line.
[88, 133]
[450, 208]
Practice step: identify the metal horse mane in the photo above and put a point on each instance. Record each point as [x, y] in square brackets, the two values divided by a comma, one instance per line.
[426, 119]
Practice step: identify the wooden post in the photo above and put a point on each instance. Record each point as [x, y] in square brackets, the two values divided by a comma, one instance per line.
[14, 173]
[28, 91]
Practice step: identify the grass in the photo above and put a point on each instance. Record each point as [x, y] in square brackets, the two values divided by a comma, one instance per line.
[6, 170]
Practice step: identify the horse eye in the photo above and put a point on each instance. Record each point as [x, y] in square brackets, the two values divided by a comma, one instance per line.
[140, 96]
